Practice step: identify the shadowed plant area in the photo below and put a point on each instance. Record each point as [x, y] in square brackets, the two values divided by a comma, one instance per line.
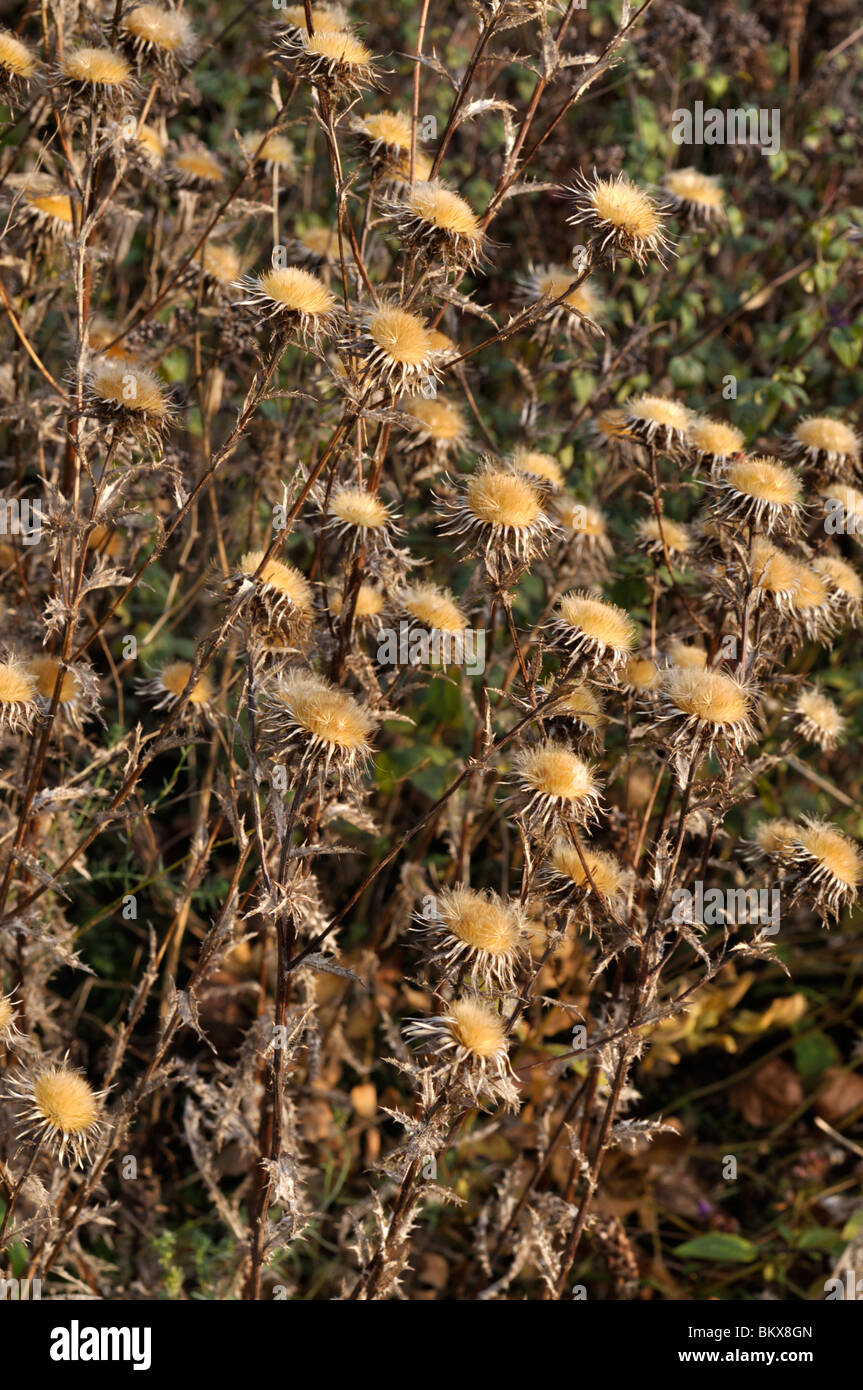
[431, 508]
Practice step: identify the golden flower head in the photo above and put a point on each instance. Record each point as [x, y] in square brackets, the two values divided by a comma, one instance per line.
[843, 507]
[621, 219]
[715, 441]
[639, 675]
[579, 709]
[293, 301]
[360, 517]
[10, 1034]
[543, 468]
[760, 492]
[334, 60]
[17, 64]
[438, 422]
[706, 706]
[96, 71]
[579, 308]
[197, 167]
[692, 658]
[818, 719]
[844, 585]
[556, 785]
[831, 866]
[63, 1112]
[432, 607]
[776, 838]
[673, 536]
[77, 695]
[499, 514]
[396, 351]
[324, 16]
[152, 31]
[810, 603]
[221, 263]
[478, 929]
[282, 596]
[826, 444]
[594, 630]
[605, 873]
[697, 196]
[53, 211]
[470, 1041]
[433, 218]
[658, 420]
[18, 705]
[274, 151]
[128, 396]
[329, 728]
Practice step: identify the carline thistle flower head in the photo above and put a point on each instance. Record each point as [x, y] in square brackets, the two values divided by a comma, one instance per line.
[621, 219]
[308, 717]
[292, 301]
[498, 513]
[62, 1112]
[555, 786]
[592, 630]
[470, 1044]
[704, 707]
[478, 930]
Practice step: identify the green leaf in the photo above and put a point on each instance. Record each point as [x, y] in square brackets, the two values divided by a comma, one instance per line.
[813, 1054]
[719, 1246]
[846, 343]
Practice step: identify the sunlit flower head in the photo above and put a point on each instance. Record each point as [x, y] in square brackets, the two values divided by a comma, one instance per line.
[155, 33]
[60, 1110]
[555, 786]
[843, 511]
[325, 727]
[17, 65]
[368, 604]
[706, 708]
[274, 151]
[292, 301]
[52, 212]
[197, 167]
[579, 309]
[431, 607]
[844, 584]
[221, 263]
[698, 197]
[128, 397]
[776, 839]
[579, 711]
[470, 1044]
[826, 444]
[396, 351]
[605, 874]
[78, 693]
[499, 514]
[541, 468]
[479, 930]
[809, 604]
[432, 218]
[360, 517]
[167, 687]
[759, 492]
[438, 422]
[280, 596]
[324, 16]
[830, 865]
[673, 536]
[818, 719]
[96, 73]
[774, 572]
[639, 676]
[691, 658]
[18, 703]
[10, 1033]
[714, 441]
[586, 530]
[620, 219]
[592, 630]
[316, 244]
[658, 420]
[333, 60]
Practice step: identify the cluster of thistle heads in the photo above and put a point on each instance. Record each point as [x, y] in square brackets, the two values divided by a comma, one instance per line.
[743, 575]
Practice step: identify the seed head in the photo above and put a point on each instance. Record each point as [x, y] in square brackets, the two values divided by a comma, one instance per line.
[620, 218]
[697, 196]
[590, 628]
[62, 1111]
[760, 492]
[556, 785]
[818, 719]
